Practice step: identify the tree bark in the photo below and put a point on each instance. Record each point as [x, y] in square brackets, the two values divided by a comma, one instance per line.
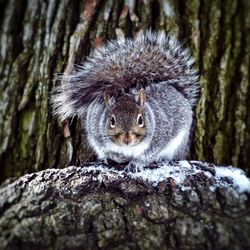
[41, 38]
[93, 207]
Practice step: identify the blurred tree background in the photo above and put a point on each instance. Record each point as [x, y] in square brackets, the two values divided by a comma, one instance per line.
[40, 38]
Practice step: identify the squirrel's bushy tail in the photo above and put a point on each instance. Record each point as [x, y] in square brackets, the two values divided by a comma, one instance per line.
[122, 64]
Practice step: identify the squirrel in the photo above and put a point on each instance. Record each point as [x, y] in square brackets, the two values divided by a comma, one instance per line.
[136, 97]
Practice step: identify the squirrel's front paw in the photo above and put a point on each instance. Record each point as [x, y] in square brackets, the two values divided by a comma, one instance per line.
[103, 161]
[133, 167]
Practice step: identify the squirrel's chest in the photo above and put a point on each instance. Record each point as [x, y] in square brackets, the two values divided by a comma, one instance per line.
[127, 151]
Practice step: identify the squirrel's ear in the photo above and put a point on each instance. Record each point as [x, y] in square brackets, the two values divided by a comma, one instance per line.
[109, 100]
[141, 97]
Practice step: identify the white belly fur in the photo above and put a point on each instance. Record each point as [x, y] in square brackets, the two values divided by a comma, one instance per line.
[137, 151]
[128, 151]
[168, 152]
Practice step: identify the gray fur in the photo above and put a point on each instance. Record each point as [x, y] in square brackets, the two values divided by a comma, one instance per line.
[165, 119]
[155, 62]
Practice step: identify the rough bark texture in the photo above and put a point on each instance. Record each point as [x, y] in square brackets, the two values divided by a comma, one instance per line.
[77, 208]
[40, 38]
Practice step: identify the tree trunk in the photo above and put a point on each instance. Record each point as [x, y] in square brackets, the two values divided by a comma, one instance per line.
[41, 38]
[92, 207]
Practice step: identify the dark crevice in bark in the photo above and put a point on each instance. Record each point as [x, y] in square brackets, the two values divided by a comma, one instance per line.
[3, 4]
[175, 242]
[13, 33]
[155, 7]
[137, 4]
[204, 10]
[127, 26]
[15, 28]
[184, 29]
[114, 21]
[219, 197]
[108, 29]
[74, 136]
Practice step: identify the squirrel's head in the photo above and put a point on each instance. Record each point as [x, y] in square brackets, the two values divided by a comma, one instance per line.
[127, 123]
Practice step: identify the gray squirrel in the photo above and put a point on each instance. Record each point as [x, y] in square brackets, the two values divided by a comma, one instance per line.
[136, 97]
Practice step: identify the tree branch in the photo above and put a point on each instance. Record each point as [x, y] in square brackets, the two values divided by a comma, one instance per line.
[176, 205]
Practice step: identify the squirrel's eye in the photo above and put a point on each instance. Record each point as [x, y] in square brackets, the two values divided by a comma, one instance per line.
[140, 121]
[112, 121]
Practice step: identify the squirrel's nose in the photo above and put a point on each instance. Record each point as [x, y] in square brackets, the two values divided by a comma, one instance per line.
[126, 139]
